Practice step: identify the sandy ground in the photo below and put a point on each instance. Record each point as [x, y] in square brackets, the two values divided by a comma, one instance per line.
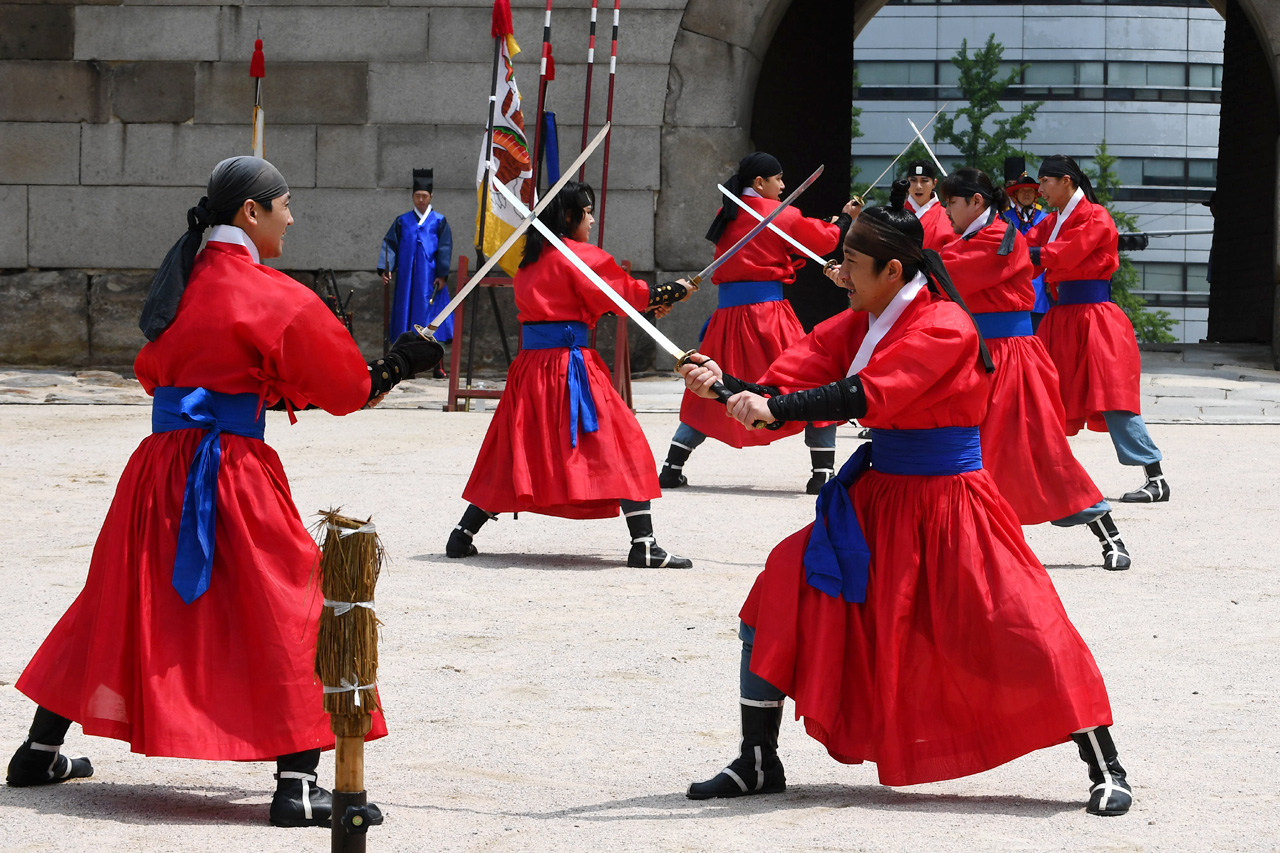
[544, 697]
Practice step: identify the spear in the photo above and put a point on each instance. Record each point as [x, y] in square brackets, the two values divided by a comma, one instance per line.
[548, 65]
[608, 119]
[591, 64]
[258, 70]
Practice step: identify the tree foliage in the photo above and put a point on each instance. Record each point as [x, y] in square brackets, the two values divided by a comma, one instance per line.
[982, 142]
[1149, 326]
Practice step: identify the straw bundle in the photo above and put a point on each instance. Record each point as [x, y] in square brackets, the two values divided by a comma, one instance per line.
[347, 648]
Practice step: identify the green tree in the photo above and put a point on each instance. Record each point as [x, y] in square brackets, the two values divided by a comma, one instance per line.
[982, 85]
[855, 130]
[1149, 326]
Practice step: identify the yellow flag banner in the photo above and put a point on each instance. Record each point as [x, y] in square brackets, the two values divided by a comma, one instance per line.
[509, 161]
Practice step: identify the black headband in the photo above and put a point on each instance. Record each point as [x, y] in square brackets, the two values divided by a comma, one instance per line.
[757, 164]
[1061, 166]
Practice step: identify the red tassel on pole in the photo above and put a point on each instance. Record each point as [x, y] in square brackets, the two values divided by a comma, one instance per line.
[258, 65]
[502, 26]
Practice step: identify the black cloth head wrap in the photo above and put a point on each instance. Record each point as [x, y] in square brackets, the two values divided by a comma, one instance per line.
[1062, 166]
[922, 167]
[424, 180]
[755, 165]
[877, 237]
[232, 182]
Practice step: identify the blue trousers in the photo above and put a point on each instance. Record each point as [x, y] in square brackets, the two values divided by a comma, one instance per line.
[1133, 443]
[815, 438]
[750, 685]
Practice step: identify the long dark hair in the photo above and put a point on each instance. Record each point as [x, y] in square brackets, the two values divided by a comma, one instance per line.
[968, 182]
[562, 216]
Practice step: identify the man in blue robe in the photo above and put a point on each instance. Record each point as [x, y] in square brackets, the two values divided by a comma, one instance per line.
[1024, 211]
[417, 250]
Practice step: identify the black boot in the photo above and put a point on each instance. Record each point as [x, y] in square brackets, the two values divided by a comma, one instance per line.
[298, 800]
[39, 761]
[645, 551]
[757, 769]
[1110, 794]
[824, 468]
[1115, 557]
[1154, 491]
[459, 544]
[671, 476]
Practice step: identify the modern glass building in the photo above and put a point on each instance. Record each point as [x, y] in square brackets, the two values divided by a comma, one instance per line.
[1145, 75]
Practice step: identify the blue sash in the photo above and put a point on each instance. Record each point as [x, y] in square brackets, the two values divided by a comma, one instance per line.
[198, 408]
[734, 293]
[570, 335]
[1003, 324]
[836, 559]
[1084, 291]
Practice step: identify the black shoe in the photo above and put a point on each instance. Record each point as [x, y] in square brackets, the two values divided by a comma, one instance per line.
[38, 764]
[1115, 557]
[671, 478]
[1154, 491]
[459, 544]
[438, 372]
[647, 554]
[757, 769]
[817, 481]
[298, 801]
[1110, 794]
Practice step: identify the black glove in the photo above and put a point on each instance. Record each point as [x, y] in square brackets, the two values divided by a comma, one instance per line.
[1035, 254]
[667, 293]
[410, 355]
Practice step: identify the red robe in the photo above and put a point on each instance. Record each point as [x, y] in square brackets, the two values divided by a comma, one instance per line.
[1023, 443]
[938, 231]
[1093, 346]
[527, 463]
[231, 675]
[962, 657]
[745, 339]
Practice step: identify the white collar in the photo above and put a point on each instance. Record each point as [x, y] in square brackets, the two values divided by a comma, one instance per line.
[920, 211]
[236, 236]
[982, 220]
[750, 193]
[878, 327]
[1066, 211]
[425, 214]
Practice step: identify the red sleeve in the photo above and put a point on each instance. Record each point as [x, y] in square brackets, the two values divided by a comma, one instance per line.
[919, 368]
[820, 357]
[818, 235]
[315, 361]
[602, 264]
[1077, 241]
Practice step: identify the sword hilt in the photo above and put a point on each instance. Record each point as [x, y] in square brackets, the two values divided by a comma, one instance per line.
[427, 333]
[718, 388]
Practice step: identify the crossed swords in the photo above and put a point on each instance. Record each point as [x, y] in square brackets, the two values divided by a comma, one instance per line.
[531, 220]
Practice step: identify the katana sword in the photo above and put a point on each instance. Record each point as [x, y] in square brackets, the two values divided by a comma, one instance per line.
[681, 356]
[800, 247]
[529, 218]
[760, 226]
[932, 156]
[872, 185]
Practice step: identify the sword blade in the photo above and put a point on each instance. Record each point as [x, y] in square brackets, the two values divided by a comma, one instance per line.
[760, 226]
[872, 185]
[932, 156]
[529, 218]
[801, 247]
[591, 275]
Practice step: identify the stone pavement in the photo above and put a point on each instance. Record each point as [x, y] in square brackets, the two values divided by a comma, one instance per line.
[1185, 384]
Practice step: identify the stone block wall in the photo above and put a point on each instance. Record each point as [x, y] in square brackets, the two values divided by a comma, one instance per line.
[113, 112]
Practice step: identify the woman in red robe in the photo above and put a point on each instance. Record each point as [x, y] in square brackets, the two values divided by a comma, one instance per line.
[194, 635]
[910, 623]
[753, 322]
[1088, 336]
[562, 441]
[922, 200]
[1023, 444]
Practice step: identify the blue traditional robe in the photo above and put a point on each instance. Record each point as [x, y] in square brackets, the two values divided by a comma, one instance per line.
[1042, 303]
[418, 254]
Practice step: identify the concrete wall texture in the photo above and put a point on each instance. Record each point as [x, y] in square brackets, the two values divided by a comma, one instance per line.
[112, 113]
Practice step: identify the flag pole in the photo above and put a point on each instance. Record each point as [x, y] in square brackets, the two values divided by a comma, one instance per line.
[258, 70]
[484, 197]
[547, 62]
[586, 99]
[608, 117]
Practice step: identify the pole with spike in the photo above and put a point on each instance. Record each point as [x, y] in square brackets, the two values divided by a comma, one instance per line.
[547, 67]
[608, 117]
[586, 99]
[258, 70]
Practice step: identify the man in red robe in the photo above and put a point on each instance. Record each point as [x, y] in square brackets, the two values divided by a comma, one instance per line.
[924, 203]
[194, 634]
[1088, 336]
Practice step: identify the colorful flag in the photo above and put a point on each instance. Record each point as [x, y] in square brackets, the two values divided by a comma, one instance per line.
[508, 158]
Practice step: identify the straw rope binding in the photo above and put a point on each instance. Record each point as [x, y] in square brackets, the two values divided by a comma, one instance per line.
[347, 648]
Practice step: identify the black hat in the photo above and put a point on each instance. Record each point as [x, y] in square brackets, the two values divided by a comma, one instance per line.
[1015, 173]
[922, 167]
[423, 180]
